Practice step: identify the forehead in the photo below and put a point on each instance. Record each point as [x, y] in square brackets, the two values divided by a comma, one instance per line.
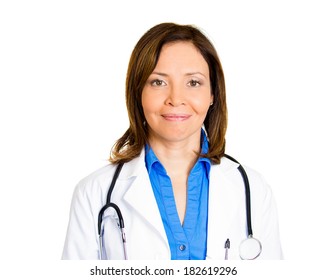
[181, 53]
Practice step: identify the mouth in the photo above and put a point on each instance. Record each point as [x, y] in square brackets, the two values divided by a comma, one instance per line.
[176, 117]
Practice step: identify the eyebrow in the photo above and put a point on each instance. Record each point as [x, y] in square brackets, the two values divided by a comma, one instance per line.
[193, 73]
[159, 73]
[187, 74]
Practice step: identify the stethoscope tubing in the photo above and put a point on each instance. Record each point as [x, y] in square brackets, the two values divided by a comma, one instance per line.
[108, 201]
[247, 195]
[109, 204]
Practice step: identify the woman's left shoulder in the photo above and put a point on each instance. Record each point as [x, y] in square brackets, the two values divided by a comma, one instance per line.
[256, 179]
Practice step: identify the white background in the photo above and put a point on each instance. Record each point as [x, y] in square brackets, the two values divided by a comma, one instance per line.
[62, 75]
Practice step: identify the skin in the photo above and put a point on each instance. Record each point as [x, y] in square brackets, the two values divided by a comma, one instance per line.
[175, 100]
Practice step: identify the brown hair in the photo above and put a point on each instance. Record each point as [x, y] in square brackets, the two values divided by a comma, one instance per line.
[142, 62]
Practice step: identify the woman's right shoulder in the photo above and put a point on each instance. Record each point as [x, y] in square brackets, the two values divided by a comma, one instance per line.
[97, 180]
[100, 179]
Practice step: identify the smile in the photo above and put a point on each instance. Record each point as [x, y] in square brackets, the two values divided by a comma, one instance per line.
[176, 117]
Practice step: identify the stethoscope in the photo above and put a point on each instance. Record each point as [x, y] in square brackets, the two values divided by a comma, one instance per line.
[249, 249]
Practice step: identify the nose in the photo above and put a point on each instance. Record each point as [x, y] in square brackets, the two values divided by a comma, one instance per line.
[176, 97]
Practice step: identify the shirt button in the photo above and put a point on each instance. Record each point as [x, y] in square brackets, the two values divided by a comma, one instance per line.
[182, 247]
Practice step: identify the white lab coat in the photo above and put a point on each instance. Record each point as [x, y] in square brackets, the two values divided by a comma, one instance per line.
[145, 233]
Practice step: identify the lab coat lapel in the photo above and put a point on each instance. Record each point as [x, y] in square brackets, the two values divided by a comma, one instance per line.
[140, 196]
[224, 202]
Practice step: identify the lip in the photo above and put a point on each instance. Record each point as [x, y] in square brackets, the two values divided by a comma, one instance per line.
[176, 117]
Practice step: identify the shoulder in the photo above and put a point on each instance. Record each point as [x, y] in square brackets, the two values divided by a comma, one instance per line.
[231, 171]
[230, 179]
[99, 180]
[95, 182]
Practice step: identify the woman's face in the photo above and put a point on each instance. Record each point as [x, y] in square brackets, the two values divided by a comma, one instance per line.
[177, 95]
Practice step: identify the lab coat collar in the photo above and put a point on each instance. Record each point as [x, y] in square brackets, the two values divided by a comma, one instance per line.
[134, 167]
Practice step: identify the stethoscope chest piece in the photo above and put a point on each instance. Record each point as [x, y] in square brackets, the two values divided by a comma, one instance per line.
[250, 248]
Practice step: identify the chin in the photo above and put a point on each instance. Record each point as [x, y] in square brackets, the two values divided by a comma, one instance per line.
[176, 135]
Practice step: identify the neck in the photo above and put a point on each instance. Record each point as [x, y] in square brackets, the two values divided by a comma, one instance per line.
[178, 157]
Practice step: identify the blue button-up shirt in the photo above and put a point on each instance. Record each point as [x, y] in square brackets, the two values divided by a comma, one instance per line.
[187, 241]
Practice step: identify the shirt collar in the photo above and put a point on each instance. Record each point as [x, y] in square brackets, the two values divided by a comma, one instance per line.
[204, 151]
[205, 143]
[150, 158]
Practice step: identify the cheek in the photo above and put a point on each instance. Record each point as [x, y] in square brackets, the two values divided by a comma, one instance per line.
[201, 105]
[150, 104]
[146, 103]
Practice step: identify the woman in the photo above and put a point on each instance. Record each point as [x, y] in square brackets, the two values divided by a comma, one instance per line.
[180, 197]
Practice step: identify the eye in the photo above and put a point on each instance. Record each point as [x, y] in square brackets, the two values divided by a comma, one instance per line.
[194, 83]
[157, 83]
